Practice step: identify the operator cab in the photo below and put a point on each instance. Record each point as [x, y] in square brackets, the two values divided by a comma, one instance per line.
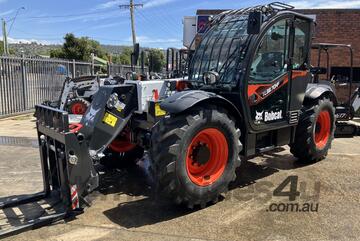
[258, 59]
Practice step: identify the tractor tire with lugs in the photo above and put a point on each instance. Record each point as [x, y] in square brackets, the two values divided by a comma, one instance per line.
[315, 132]
[194, 155]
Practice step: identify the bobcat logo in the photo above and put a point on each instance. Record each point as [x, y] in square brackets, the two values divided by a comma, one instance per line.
[259, 116]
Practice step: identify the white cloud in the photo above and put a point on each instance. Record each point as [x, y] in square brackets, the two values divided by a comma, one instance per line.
[110, 4]
[164, 43]
[29, 41]
[108, 25]
[88, 18]
[148, 4]
[6, 12]
[156, 3]
[326, 4]
[148, 40]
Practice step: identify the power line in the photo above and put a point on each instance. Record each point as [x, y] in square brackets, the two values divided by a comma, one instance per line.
[162, 26]
[77, 30]
[13, 21]
[160, 13]
[68, 15]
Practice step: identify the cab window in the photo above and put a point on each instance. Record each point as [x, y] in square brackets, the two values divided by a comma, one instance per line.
[270, 60]
[300, 57]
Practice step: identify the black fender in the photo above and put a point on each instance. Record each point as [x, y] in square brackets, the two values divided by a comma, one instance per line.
[182, 101]
[315, 91]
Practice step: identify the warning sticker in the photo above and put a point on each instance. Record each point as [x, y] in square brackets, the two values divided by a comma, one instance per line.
[158, 110]
[110, 119]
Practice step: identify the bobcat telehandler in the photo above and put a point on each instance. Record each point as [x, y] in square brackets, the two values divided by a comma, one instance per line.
[249, 91]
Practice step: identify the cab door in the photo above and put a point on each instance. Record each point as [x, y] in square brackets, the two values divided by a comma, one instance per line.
[270, 91]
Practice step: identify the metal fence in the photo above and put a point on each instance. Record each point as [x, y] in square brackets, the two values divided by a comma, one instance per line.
[121, 70]
[25, 82]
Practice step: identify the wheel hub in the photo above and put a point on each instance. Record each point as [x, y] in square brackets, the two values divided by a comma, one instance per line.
[200, 154]
[207, 156]
[77, 106]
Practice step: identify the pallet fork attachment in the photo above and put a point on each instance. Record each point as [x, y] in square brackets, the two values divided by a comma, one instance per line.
[68, 175]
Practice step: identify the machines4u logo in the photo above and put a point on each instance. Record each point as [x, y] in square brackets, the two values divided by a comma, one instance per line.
[267, 116]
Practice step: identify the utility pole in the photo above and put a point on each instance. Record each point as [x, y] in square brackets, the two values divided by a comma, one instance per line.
[132, 7]
[4, 33]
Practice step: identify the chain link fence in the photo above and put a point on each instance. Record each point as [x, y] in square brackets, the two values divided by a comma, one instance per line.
[25, 82]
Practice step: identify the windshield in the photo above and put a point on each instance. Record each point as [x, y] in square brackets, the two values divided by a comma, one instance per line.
[220, 49]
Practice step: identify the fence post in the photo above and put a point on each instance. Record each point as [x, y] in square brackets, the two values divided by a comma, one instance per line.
[68, 68]
[23, 81]
[109, 68]
[92, 64]
[73, 69]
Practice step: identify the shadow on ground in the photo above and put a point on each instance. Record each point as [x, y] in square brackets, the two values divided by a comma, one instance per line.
[147, 209]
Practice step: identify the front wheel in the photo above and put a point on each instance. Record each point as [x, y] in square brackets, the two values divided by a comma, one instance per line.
[315, 132]
[194, 155]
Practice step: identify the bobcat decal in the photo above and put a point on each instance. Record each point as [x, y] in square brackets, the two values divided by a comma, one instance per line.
[259, 116]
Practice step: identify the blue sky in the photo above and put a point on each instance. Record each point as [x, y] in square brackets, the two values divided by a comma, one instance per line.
[158, 23]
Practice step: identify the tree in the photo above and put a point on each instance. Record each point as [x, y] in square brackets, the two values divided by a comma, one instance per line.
[157, 56]
[11, 50]
[57, 53]
[124, 57]
[158, 59]
[78, 49]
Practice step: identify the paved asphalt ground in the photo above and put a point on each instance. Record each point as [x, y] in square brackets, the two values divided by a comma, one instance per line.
[123, 208]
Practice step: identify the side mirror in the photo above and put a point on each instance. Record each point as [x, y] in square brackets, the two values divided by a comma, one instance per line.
[254, 23]
[211, 77]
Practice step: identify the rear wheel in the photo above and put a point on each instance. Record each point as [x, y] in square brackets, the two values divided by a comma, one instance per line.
[122, 153]
[77, 106]
[194, 155]
[315, 132]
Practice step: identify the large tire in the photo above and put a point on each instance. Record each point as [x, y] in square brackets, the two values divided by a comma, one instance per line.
[315, 132]
[194, 155]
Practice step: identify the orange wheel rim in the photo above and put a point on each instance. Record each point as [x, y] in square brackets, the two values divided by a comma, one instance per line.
[122, 143]
[322, 129]
[121, 146]
[207, 156]
[78, 109]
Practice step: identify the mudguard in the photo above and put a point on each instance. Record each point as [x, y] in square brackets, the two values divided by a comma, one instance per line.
[185, 100]
[314, 91]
